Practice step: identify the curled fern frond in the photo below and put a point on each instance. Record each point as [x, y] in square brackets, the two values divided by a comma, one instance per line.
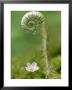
[31, 20]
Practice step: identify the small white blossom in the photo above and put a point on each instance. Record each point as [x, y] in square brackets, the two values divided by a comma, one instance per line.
[32, 67]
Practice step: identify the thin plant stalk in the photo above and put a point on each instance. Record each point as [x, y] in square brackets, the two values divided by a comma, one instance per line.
[44, 45]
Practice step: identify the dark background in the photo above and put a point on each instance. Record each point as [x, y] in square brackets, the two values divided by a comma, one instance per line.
[1, 36]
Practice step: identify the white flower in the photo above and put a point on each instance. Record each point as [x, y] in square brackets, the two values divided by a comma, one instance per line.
[31, 67]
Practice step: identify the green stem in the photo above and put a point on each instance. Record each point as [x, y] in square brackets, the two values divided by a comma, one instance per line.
[31, 75]
[44, 35]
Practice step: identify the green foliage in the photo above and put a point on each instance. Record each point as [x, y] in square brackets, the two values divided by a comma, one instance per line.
[56, 61]
[26, 47]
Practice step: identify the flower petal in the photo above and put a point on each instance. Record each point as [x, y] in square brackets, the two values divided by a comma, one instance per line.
[28, 64]
[32, 67]
[34, 64]
[28, 69]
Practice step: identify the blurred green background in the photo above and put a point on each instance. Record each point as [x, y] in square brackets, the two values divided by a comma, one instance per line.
[26, 47]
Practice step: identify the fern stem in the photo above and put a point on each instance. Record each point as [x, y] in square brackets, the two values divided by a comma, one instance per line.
[44, 44]
[29, 23]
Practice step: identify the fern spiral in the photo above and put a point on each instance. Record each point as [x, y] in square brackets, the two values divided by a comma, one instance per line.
[31, 20]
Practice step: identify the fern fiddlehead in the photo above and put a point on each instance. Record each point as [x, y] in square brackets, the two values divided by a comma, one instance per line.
[29, 22]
